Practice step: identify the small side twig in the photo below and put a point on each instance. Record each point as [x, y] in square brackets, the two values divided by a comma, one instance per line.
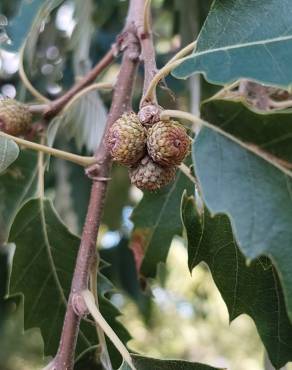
[183, 52]
[43, 108]
[74, 158]
[37, 108]
[57, 105]
[52, 108]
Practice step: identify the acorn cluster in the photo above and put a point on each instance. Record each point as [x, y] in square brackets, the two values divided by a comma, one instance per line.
[152, 152]
[15, 117]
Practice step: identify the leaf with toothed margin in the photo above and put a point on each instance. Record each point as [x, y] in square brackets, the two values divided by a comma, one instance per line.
[253, 289]
[17, 184]
[256, 194]
[146, 363]
[42, 271]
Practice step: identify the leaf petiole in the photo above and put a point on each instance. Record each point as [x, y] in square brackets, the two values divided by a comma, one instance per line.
[99, 319]
[74, 158]
[163, 72]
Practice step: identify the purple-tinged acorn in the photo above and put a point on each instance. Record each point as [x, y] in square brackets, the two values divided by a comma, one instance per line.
[148, 175]
[168, 143]
[15, 117]
[126, 140]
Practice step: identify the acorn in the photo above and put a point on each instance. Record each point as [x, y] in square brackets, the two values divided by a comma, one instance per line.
[126, 140]
[168, 143]
[15, 117]
[148, 175]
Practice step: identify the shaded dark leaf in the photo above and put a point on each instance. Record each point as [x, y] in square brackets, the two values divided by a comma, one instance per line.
[254, 192]
[156, 221]
[253, 288]
[43, 273]
[17, 184]
[147, 363]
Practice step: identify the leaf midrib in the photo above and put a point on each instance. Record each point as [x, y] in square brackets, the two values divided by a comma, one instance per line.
[238, 46]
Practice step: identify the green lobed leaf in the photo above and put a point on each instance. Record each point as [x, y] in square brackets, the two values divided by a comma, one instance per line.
[156, 221]
[30, 12]
[42, 271]
[253, 288]
[146, 363]
[255, 194]
[270, 132]
[17, 184]
[9, 152]
[244, 39]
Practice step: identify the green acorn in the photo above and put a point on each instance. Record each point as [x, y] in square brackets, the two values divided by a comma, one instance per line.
[148, 175]
[168, 143]
[126, 140]
[15, 117]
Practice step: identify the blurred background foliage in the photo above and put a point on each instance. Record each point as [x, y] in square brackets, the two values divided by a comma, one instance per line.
[175, 315]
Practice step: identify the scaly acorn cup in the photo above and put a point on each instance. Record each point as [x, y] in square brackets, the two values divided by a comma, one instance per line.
[126, 140]
[148, 175]
[15, 117]
[168, 143]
